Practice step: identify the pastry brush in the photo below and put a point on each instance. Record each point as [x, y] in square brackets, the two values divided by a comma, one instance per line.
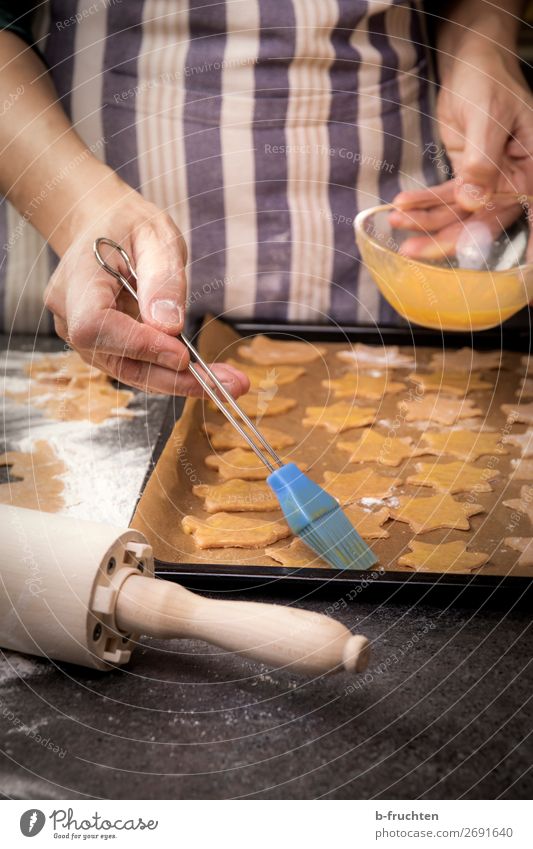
[311, 513]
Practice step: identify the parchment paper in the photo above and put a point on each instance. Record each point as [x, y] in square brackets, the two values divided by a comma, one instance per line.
[168, 493]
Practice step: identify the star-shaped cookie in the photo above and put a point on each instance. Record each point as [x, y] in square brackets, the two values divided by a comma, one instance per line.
[465, 444]
[363, 386]
[374, 356]
[236, 496]
[466, 359]
[444, 557]
[524, 441]
[263, 378]
[297, 555]
[353, 486]
[224, 436]
[524, 504]
[226, 530]
[373, 447]
[435, 408]
[453, 477]
[525, 546]
[258, 405]
[237, 463]
[522, 469]
[436, 511]
[452, 382]
[339, 417]
[264, 351]
[519, 413]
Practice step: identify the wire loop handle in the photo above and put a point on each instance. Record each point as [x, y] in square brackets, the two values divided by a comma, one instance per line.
[197, 359]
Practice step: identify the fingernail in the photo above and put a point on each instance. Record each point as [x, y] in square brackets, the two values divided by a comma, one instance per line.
[169, 360]
[166, 311]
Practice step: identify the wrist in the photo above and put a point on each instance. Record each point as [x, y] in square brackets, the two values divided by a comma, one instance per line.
[492, 34]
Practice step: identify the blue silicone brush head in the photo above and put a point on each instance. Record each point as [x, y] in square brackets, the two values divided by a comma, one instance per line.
[315, 516]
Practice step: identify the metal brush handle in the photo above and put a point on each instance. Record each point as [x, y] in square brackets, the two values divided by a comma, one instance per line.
[198, 359]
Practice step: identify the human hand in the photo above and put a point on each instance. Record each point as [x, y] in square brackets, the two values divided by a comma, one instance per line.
[100, 320]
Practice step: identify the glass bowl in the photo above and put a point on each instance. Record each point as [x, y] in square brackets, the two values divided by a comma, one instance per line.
[472, 274]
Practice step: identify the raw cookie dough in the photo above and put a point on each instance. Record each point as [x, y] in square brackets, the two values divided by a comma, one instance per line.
[225, 436]
[436, 511]
[522, 469]
[226, 530]
[241, 464]
[372, 356]
[353, 486]
[363, 386]
[525, 546]
[267, 352]
[466, 359]
[339, 417]
[524, 504]
[384, 450]
[453, 382]
[264, 377]
[40, 487]
[236, 496]
[444, 557]
[524, 441]
[465, 444]
[453, 477]
[434, 408]
[520, 413]
[258, 405]
[368, 525]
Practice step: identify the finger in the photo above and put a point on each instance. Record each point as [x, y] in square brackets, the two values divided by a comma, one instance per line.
[427, 220]
[161, 286]
[153, 378]
[481, 163]
[95, 324]
[425, 198]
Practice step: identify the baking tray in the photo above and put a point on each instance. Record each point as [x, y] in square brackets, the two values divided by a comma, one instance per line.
[392, 585]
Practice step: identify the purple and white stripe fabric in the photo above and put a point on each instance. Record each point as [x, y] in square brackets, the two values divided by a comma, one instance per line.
[261, 126]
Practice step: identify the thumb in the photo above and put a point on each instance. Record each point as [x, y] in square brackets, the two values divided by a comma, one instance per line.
[161, 283]
[481, 161]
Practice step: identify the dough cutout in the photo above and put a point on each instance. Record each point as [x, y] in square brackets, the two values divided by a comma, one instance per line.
[453, 477]
[258, 405]
[264, 351]
[465, 444]
[339, 417]
[363, 386]
[453, 382]
[524, 441]
[373, 447]
[466, 359]
[353, 486]
[524, 504]
[236, 496]
[226, 530]
[297, 555]
[522, 469]
[436, 511]
[525, 546]
[521, 413]
[241, 464]
[434, 408]
[372, 356]
[263, 378]
[225, 436]
[445, 557]
[40, 486]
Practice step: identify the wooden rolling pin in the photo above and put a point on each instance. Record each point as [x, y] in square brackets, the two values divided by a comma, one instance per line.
[83, 592]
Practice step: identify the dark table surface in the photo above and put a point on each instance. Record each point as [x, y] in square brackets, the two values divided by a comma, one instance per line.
[444, 711]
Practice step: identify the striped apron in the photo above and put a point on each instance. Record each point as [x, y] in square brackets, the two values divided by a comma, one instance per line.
[261, 126]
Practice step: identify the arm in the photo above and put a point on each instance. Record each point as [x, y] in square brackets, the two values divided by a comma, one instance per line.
[51, 177]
